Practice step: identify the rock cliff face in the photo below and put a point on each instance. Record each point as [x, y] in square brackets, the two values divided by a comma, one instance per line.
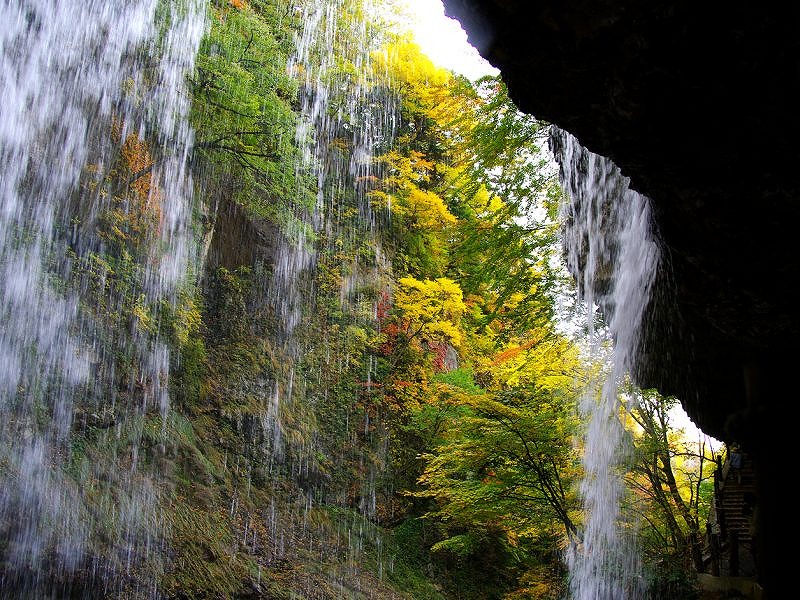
[698, 104]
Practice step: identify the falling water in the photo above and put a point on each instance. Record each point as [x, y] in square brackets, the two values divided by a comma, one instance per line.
[346, 118]
[333, 107]
[88, 87]
[611, 249]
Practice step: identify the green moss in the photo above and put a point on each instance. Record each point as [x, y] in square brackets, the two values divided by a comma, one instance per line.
[461, 378]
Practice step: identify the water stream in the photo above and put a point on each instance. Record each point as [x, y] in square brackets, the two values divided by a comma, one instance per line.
[610, 248]
[346, 118]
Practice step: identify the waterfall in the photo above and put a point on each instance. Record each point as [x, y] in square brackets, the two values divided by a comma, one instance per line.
[279, 453]
[334, 106]
[93, 143]
[610, 247]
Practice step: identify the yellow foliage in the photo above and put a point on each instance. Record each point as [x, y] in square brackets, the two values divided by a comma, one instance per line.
[486, 205]
[188, 319]
[407, 64]
[144, 319]
[544, 359]
[426, 209]
[423, 84]
[431, 309]
[405, 170]
[339, 144]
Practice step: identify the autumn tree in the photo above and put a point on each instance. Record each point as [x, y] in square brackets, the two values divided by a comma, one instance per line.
[672, 483]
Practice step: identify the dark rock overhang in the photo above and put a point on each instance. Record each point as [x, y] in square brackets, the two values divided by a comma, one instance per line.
[699, 104]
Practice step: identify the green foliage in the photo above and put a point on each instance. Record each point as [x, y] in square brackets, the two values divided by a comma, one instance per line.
[460, 378]
[669, 578]
[509, 462]
[506, 193]
[182, 324]
[447, 249]
[471, 203]
[243, 112]
[227, 317]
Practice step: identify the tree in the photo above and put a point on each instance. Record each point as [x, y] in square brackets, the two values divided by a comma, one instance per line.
[507, 461]
[671, 480]
[429, 310]
[242, 110]
[490, 441]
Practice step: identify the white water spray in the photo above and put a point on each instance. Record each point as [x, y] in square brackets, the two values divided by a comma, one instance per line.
[345, 119]
[341, 115]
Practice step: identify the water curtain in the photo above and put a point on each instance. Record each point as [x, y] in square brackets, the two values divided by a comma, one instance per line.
[346, 118]
[93, 147]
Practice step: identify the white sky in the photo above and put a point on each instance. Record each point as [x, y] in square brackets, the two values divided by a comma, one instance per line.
[443, 40]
